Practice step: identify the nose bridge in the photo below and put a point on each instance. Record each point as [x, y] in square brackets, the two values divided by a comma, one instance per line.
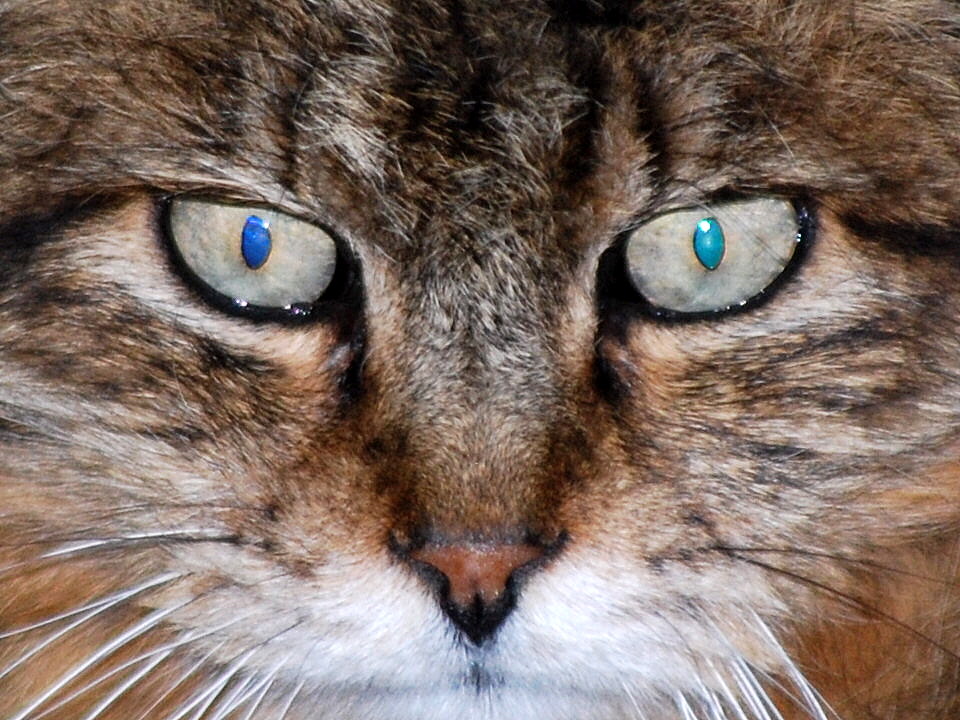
[482, 309]
[482, 389]
[482, 464]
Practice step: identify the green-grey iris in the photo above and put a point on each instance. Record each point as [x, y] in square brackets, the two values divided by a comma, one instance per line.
[712, 258]
[227, 246]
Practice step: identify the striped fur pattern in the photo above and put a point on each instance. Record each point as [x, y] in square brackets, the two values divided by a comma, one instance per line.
[761, 511]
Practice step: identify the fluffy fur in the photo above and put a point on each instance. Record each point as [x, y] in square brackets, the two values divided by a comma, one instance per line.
[760, 512]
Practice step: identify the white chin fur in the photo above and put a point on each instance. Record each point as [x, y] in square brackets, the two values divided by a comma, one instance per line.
[372, 643]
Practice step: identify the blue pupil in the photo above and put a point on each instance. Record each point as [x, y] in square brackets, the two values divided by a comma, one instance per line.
[709, 244]
[255, 243]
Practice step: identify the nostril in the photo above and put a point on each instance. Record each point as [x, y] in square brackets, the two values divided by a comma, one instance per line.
[477, 581]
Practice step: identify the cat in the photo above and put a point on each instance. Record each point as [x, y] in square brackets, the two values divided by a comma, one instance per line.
[554, 360]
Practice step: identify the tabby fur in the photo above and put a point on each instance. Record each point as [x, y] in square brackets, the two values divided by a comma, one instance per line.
[199, 513]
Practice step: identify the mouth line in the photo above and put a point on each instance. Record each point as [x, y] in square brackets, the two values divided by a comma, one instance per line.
[481, 679]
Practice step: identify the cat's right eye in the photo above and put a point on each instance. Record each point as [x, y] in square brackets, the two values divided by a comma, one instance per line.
[253, 260]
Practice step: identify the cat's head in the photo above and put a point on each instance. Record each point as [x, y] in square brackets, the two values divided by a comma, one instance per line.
[404, 361]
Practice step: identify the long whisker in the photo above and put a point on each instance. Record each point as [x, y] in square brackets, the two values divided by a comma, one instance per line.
[95, 521]
[267, 683]
[138, 540]
[239, 694]
[188, 639]
[812, 699]
[289, 704]
[183, 678]
[684, 706]
[207, 697]
[99, 608]
[299, 688]
[728, 693]
[873, 565]
[105, 650]
[755, 695]
[126, 686]
[627, 692]
[245, 692]
[711, 702]
[757, 700]
[780, 684]
[109, 600]
[177, 535]
[851, 601]
[234, 698]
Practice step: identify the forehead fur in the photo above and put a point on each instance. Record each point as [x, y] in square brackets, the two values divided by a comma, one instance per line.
[487, 104]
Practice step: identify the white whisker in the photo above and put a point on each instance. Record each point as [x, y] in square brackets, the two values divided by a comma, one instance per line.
[109, 600]
[125, 686]
[148, 623]
[630, 696]
[750, 691]
[757, 697]
[183, 678]
[811, 698]
[81, 546]
[245, 689]
[236, 697]
[715, 706]
[173, 534]
[68, 549]
[13, 566]
[57, 618]
[207, 697]
[98, 607]
[258, 687]
[74, 547]
[684, 706]
[290, 700]
[263, 689]
[171, 646]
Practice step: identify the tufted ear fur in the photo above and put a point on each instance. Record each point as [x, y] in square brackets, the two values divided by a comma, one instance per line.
[480, 475]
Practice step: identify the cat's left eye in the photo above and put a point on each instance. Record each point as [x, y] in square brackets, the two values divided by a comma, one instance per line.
[253, 260]
[712, 258]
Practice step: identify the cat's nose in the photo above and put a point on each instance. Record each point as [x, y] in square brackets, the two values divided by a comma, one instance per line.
[477, 582]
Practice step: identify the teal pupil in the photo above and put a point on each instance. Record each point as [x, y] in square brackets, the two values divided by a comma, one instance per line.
[709, 243]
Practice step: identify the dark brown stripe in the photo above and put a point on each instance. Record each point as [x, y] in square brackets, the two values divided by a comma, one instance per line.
[927, 240]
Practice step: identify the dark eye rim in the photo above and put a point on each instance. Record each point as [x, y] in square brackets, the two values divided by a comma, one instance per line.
[344, 290]
[616, 294]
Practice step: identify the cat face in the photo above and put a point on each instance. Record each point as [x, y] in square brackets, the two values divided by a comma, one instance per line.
[522, 360]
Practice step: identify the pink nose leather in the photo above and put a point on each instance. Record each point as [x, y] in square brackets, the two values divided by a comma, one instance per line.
[477, 571]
